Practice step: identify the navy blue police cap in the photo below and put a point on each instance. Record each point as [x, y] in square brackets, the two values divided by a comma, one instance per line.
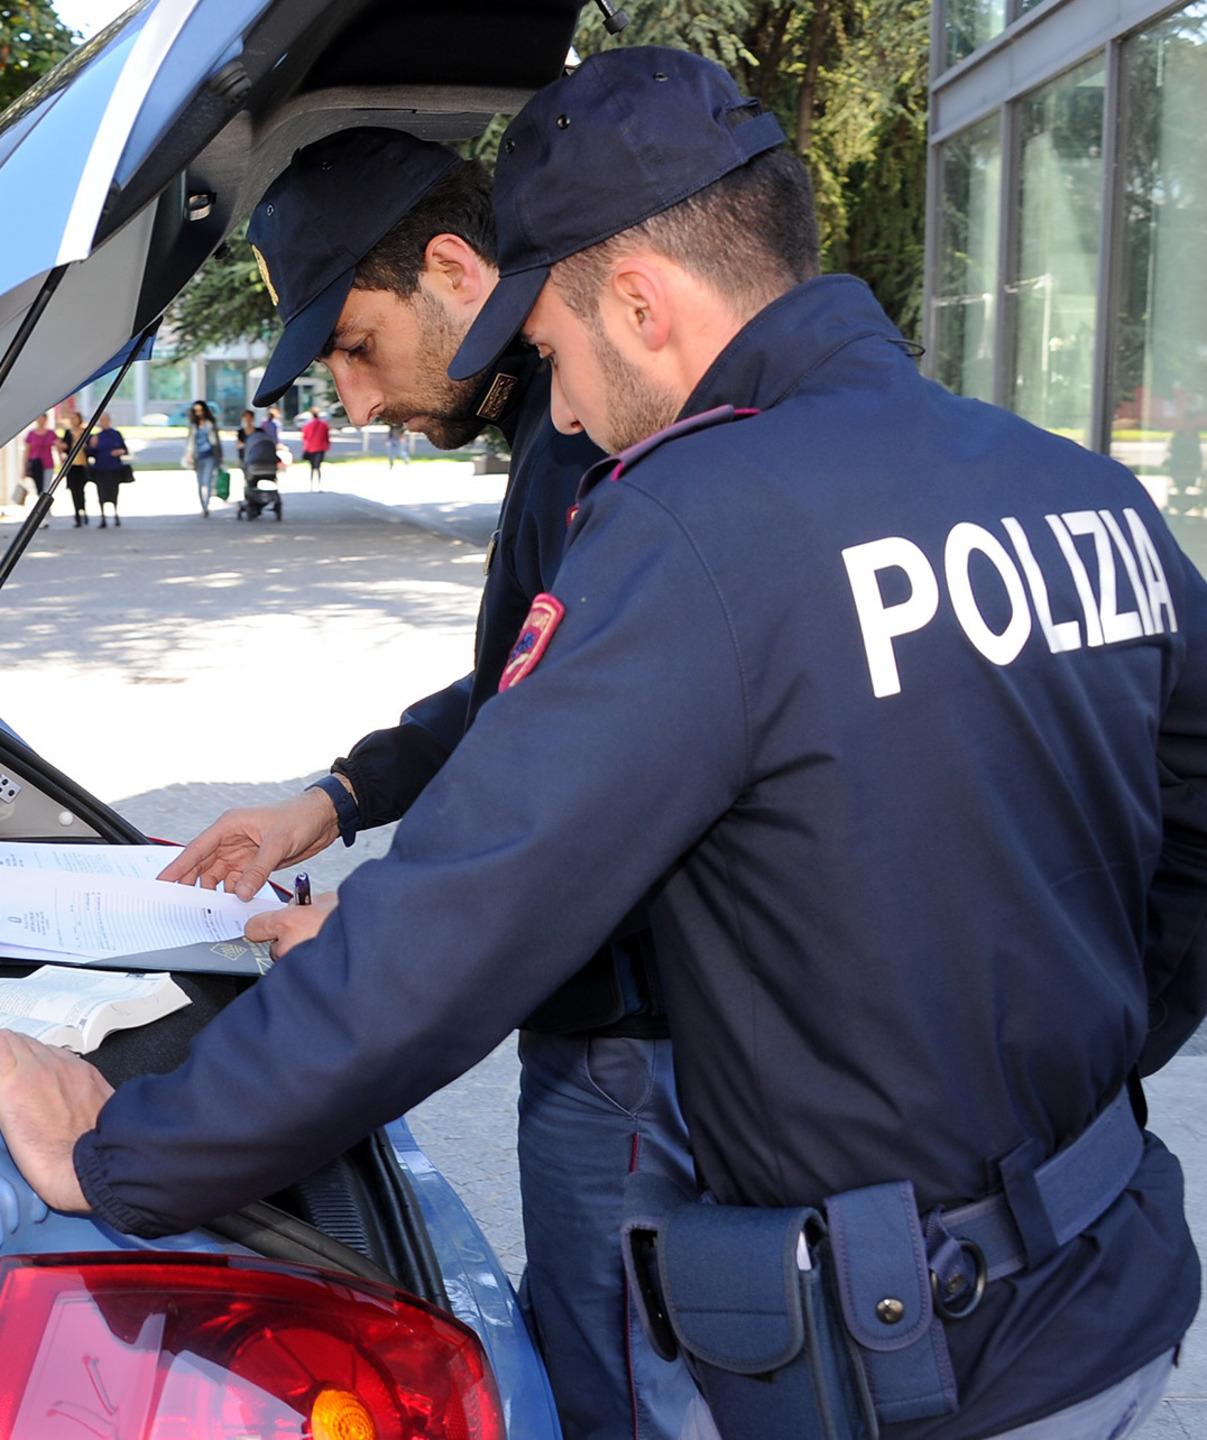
[627, 135]
[319, 219]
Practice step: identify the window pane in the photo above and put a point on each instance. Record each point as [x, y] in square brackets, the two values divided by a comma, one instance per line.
[965, 302]
[1160, 365]
[970, 23]
[1056, 265]
[226, 390]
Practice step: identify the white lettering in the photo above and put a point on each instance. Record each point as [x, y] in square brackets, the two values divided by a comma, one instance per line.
[1133, 574]
[882, 623]
[1115, 626]
[1060, 637]
[1159, 597]
[1085, 591]
[964, 539]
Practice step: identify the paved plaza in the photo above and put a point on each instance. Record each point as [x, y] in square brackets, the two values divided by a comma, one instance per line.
[177, 666]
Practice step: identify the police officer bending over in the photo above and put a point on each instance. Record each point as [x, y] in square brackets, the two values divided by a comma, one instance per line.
[942, 679]
[596, 1083]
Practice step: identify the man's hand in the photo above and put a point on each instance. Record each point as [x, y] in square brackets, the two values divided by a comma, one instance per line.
[243, 847]
[289, 925]
[48, 1099]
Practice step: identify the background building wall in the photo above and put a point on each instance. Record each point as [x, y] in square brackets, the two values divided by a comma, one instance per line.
[1067, 227]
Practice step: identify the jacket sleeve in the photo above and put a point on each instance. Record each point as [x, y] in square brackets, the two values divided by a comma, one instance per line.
[1176, 954]
[563, 804]
[390, 768]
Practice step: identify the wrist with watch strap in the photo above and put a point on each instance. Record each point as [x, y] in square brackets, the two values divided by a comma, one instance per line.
[347, 811]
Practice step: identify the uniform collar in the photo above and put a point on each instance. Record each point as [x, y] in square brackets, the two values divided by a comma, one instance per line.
[766, 359]
[792, 336]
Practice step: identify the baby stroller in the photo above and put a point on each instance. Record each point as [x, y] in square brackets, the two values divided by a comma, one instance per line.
[260, 490]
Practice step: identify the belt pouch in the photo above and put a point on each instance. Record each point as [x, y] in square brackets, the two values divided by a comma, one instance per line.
[883, 1281]
[764, 1340]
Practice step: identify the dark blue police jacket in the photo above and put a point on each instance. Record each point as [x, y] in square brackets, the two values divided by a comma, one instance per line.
[903, 702]
[389, 768]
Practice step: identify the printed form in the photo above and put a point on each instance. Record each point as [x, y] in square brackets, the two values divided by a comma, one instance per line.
[88, 916]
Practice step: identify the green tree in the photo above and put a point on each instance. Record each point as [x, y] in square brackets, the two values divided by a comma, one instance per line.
[32, 41]
[848, 81]
[226, 301]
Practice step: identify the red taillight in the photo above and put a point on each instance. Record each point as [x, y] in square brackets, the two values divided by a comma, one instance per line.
[158, 1347]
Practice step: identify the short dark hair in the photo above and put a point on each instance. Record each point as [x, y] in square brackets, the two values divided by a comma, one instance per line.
[459, 203]
[750, 235]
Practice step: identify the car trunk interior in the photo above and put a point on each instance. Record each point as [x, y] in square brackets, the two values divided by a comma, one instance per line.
[358, 1213]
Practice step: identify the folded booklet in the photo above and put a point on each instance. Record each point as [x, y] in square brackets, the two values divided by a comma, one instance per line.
[78, 1008]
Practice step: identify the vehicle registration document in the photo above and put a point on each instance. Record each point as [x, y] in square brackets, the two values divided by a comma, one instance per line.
[90, 902]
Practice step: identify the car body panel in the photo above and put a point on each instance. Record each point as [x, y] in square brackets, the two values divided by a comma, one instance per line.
[479, 1292]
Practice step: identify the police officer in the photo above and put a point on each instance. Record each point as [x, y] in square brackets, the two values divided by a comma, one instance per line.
[379, 249]
[900, 706]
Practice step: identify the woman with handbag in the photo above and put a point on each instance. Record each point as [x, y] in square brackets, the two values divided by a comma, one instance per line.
[203, 451]
[108, 451]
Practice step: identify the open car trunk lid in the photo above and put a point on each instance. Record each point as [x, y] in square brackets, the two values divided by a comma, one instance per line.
[191, 108]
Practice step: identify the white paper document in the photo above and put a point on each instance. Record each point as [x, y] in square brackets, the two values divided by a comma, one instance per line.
[68, 914]
[145, 861]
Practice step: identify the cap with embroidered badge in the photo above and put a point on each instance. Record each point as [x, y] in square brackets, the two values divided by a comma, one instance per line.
[627, 135]
[338, 198]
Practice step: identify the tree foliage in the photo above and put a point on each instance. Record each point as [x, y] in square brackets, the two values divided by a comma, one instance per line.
[848, 81]
[225, 302]
[32, 41]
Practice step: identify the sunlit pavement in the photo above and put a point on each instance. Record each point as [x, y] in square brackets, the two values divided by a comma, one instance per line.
[179, 666]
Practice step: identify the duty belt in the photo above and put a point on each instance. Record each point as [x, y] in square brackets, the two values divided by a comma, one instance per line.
[1037, 1211]
[842, 1306]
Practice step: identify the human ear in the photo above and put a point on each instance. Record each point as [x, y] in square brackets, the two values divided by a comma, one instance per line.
[639, 299]
[454, 269]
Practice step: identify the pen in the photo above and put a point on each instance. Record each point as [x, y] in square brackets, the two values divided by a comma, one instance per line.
[301, 888]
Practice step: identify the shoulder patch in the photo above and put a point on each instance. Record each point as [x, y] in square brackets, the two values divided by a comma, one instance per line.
[533, 640]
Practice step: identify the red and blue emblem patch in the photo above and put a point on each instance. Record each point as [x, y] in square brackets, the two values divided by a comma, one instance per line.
[535, 635]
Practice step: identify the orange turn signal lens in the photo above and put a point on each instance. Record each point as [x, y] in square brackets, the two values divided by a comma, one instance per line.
[340, 1415]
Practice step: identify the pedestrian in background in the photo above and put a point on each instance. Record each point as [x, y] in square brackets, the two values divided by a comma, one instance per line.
[272, 425]
[247, 426]
[316, 441]
[108, 450]
[77, 476]
[41, 445]
[203, 451]
[393, 443]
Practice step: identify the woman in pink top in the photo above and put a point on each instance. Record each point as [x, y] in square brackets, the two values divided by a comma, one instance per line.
[41, 448]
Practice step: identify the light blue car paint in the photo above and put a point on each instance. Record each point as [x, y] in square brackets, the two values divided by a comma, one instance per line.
[28, 1227]
[480, 1294]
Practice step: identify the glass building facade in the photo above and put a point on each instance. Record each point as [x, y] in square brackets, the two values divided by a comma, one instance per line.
[1067, 228]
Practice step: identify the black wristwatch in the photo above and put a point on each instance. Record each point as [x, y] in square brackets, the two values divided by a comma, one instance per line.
[347, 811]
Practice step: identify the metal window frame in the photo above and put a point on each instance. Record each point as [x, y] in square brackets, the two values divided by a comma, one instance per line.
[1035, 48]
